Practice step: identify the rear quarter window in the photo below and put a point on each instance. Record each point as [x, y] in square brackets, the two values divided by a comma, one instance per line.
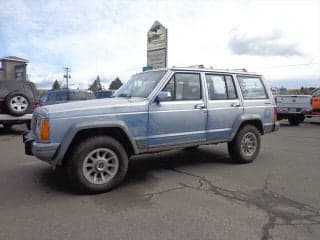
[252, 87]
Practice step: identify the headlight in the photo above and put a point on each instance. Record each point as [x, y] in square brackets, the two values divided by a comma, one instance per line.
[42, 129]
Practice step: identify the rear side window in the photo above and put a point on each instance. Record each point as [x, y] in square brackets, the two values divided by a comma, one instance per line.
[220, 87]
[62, 96]
[252, 87]
[316, 94]
[184, 86]
[74, 96]
[51, 97]
[81, 95]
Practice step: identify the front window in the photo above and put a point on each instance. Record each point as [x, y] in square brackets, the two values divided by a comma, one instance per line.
[140, 85]
[184, 86]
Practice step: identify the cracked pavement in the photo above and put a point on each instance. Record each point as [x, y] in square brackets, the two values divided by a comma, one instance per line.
[179, 194]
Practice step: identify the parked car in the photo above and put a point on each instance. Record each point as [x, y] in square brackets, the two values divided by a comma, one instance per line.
[103, 94]
[293, 107]
[315, 104]
[316, 101]
[65, 95]
[18, 99]
[154, 111]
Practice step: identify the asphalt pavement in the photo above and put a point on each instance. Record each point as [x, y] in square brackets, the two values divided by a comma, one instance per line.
[179, 194]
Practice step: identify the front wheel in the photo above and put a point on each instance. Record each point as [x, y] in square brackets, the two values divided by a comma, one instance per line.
[97, 164]
[245, 147]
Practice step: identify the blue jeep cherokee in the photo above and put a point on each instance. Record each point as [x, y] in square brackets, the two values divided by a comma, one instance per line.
[153, 111]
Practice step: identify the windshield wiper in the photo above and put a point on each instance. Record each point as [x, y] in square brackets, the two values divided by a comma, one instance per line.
[124, 95]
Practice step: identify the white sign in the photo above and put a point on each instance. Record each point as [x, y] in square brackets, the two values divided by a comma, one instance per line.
[157, 46]
[157, 58]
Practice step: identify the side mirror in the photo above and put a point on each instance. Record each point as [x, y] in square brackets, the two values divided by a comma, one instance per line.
[163, 96]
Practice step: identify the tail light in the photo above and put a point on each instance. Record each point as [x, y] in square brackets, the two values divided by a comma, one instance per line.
[275, 100]
[311, 100]
[35, 105]
[275, 114]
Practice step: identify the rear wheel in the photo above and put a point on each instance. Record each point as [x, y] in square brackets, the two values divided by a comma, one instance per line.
[28, 125]
[7, 126]
[296, 120]
[97, 164]
[193, 148]
[245, 147]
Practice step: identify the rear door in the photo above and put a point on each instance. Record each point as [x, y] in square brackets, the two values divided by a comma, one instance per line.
[224, 106]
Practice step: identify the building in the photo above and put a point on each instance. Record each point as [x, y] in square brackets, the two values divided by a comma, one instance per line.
[13, 68]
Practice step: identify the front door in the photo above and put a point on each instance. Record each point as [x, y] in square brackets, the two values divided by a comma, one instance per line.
[182, 118]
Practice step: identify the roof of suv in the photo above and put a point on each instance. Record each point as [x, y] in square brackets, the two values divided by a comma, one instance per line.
[200, 69]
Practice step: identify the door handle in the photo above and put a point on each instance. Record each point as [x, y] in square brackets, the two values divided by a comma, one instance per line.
[199, 106]
[267, 103]
[235, 105]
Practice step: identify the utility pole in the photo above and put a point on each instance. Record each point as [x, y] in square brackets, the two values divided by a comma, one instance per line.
[67, 75]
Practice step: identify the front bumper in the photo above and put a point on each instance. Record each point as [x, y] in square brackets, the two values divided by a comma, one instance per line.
[43, 151]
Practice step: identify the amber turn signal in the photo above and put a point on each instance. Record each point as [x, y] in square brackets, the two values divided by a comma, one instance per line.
[44, 129]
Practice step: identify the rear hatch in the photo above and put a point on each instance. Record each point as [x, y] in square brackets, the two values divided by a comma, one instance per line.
[296, 103]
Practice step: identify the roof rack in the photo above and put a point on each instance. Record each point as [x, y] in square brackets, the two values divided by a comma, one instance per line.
[197, 66]
[240, 69]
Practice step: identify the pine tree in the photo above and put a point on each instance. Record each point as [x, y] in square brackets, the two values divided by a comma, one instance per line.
[96, 85]
[56, 85]
[115, 84]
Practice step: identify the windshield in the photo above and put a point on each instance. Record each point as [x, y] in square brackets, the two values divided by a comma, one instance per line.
[140, 85]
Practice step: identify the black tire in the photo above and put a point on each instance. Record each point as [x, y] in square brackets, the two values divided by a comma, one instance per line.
[7, 126]
[79, 155]
[296, 120]
[28, 125]
[14, 108]
[193, 148]
[237, 152]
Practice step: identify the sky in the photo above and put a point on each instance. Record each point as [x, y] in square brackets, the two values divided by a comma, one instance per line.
[279, 39]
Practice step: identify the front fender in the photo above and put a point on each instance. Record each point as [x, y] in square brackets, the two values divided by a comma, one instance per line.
[74, 129]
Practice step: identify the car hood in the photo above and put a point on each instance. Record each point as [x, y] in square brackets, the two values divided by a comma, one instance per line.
[95, 107]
